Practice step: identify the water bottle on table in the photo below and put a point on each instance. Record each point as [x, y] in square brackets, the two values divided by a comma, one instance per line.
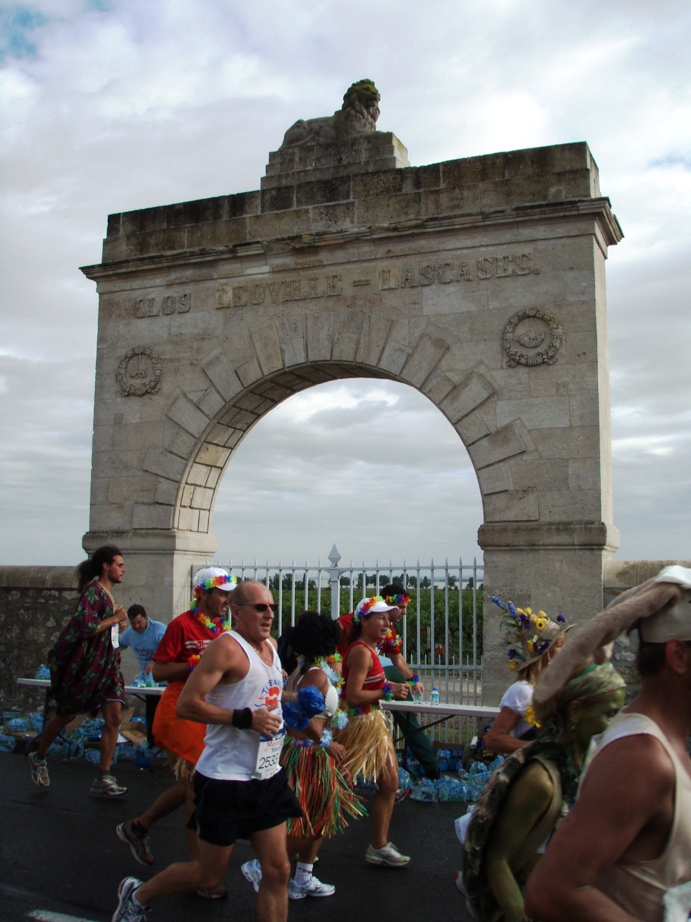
[434, 697]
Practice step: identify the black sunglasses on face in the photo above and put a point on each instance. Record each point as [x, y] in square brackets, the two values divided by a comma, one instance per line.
[259, 606]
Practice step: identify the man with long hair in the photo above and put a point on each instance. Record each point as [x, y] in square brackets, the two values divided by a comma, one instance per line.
[85, 667]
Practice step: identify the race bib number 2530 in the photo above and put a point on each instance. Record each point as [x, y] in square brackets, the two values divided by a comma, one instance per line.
[268, 756]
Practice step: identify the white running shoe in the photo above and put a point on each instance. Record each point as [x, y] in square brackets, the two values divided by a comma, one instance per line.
[39, 771]
[128, 910]
[313, 887]
[388, 855]
[252, 872]
[107, 787]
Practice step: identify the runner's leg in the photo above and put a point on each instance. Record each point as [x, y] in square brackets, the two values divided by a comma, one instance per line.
[270, 848]
[111, 711]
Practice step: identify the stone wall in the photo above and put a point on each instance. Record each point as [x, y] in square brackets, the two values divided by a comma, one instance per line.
[619, 576]
[35, 605]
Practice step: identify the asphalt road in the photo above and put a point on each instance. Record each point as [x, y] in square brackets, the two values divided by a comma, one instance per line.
[61, 861]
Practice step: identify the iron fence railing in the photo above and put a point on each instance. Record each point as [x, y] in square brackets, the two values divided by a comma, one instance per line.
[442, 633]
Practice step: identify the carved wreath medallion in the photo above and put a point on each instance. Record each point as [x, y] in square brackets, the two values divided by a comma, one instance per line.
[532, 337]
[139, 372]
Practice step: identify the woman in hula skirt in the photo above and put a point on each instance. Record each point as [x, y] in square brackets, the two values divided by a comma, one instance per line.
[367, 738]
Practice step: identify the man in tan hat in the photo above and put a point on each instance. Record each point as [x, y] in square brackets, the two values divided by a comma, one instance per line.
[624, 851]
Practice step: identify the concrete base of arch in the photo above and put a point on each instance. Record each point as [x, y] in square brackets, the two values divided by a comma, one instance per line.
[556, 568]
[159, 565]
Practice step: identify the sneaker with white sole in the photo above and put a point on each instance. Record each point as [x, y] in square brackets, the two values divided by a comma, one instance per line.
[388, 855]
[252, 872]
[107, 787]
[313, 887]
[139, 845]
[128, 910]
[39, 771]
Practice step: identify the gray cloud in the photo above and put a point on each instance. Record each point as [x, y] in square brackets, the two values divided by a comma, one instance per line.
[112, 106]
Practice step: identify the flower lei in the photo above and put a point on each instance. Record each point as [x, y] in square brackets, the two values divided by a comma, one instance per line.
[364, 607]
[391, 641]
[401, 598]
[326, 664]
[193, 660]
[214, 625]
[324, 742]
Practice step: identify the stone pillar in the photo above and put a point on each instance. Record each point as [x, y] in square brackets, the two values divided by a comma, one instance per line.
[158, 566]
[558, 568]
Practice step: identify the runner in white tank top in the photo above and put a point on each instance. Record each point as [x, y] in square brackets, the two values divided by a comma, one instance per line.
[240, 789]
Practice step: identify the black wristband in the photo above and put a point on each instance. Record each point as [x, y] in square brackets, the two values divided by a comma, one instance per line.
[242, 719]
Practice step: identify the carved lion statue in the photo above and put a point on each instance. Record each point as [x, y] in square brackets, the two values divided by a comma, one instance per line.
[357, 115]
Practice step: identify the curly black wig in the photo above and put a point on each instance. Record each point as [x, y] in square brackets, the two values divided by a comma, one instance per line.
[315, 635]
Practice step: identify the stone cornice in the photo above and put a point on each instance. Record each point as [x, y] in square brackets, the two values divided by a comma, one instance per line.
[529, 536]
[608, 232]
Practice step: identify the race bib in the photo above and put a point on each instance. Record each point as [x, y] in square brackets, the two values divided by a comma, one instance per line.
[268, 756]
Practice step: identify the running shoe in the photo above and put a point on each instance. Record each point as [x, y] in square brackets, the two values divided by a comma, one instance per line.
[139, 845]
[218, 893]
[107, 787]
[39, 771]
[313, 887]
[388, 855]
[252, 872]
[128, 910]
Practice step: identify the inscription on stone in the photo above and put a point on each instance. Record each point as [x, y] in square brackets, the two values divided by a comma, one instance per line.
[160, 306]
[299, 289]
[532, 337]
[405, 275]
[139, 372]
[456, 270]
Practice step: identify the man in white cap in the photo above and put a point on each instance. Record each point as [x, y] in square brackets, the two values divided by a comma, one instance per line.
[624, 851]
[185, 639]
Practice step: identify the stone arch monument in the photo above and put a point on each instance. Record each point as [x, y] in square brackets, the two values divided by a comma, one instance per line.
[479, 281]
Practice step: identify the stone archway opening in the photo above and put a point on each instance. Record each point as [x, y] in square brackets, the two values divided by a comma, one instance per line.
[372, 459]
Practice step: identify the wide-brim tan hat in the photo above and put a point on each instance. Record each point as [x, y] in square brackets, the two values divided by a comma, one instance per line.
[561, 630]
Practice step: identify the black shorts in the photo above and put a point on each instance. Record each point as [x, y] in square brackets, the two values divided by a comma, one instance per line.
[230, 810]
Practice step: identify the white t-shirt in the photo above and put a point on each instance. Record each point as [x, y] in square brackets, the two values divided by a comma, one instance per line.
[518, 698]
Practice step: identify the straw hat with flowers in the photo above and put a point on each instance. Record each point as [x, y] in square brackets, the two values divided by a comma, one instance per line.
[525, 635]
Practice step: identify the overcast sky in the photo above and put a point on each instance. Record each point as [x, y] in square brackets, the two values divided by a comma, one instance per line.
[114, 105]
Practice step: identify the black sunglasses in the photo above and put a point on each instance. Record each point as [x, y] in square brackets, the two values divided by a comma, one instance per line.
[259, 606]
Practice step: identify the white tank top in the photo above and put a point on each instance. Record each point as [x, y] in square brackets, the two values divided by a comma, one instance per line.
[640, 886]
[231, 754]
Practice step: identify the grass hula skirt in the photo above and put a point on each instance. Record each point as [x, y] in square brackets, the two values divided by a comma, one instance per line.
[323, 790]
[367, 742]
